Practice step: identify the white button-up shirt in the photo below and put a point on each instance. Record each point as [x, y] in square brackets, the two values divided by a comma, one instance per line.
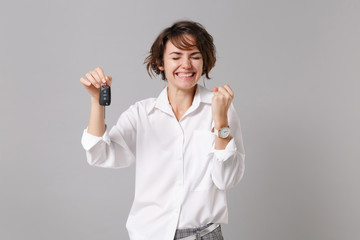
[181, 180]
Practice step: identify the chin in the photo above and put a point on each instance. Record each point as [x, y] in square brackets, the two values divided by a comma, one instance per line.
[186, 85]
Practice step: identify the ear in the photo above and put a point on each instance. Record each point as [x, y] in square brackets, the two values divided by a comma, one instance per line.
[161, 68]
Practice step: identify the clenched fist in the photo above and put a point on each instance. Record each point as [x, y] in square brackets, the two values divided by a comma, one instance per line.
[221, 101]
[93, 80]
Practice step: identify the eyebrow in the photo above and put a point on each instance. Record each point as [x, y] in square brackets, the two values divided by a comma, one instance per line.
[179, 53]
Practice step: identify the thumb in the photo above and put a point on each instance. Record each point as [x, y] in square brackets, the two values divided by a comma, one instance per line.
[108, 80]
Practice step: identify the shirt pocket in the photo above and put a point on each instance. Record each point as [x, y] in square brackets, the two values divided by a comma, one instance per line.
[201, 163]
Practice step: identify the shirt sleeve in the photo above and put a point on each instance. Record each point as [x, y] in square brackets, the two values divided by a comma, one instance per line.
[229, 164]
[117, 148]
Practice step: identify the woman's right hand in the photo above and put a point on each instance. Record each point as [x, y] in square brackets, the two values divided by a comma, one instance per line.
[93, 80]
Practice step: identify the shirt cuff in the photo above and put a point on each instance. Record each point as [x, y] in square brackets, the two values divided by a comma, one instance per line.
[223, 155]
[88, 141]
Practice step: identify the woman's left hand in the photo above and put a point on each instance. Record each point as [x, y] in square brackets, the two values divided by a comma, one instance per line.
[221, 101]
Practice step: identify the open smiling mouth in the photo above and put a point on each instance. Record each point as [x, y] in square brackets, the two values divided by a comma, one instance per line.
[185, 75]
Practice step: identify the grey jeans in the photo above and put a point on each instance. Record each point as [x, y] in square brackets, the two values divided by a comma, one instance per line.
[214, 235]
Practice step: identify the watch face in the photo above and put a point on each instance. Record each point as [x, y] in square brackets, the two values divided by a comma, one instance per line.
[224, 132]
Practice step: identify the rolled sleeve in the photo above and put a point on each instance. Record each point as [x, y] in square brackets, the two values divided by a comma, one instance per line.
[228, 164]
[88, 140]
[224, 154]
[117, 147]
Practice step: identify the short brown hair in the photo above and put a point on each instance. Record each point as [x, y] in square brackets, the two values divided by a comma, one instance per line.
[176, 34]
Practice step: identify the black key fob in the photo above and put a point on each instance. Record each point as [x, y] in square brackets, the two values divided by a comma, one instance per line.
[105, 95]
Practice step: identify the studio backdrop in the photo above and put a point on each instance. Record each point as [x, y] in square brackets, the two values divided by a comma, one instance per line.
[294, 68]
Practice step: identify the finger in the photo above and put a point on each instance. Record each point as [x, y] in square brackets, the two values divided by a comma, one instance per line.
[224, 92]
[101, 74]
[215, 89]
[96, 76]
[85, 82]
[230, 91]
[108, 80]
[90, 78]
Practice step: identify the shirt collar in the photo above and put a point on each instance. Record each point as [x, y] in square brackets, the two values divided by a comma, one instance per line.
[202, 95]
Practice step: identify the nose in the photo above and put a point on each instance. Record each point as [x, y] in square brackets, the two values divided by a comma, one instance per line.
[186, 64]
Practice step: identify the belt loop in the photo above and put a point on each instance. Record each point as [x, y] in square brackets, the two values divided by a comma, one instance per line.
[198, 237]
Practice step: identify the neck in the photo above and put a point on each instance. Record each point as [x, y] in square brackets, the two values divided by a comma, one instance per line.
[180, 99]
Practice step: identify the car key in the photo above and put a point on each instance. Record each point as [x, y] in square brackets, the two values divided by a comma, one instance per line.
[105, 95]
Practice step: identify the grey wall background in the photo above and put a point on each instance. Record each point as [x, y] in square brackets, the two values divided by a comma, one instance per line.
[294, 66]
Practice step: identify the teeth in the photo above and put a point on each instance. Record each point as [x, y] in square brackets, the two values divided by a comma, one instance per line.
[185, 75]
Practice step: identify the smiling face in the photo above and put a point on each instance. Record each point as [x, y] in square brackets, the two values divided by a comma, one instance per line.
[183, 67]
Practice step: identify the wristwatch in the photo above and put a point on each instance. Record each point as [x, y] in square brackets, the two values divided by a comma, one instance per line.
[222, 133]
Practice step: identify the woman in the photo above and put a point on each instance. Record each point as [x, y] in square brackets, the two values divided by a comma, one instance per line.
[185, 156]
